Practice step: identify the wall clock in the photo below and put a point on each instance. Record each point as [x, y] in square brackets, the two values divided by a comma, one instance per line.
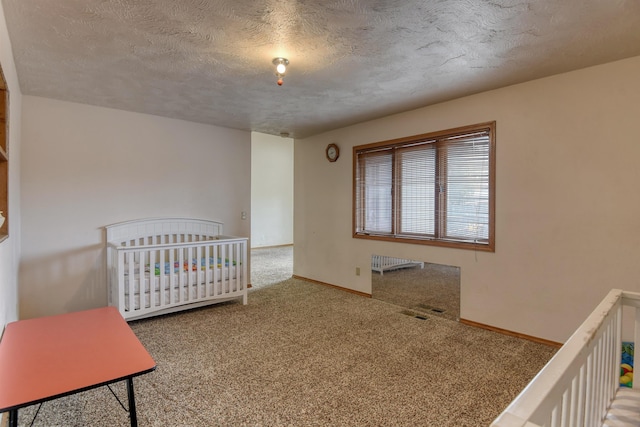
[333, 152]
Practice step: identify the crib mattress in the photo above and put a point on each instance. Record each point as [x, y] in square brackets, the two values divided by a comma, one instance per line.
[624, 410]
[175, 280]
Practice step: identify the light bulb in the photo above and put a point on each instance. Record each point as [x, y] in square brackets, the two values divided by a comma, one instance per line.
[281, 68]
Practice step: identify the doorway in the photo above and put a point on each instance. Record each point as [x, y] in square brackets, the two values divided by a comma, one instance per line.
[418, 286]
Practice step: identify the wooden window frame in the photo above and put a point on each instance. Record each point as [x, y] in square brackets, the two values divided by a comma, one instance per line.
[440, 233]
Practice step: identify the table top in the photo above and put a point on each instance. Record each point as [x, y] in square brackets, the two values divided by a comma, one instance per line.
[49, 357]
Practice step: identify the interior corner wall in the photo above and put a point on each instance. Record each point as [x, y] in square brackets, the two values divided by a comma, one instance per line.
[10, 248]
[85, 167]
[567, 204]
[271, 190]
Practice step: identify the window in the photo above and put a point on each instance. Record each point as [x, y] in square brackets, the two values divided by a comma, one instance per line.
[434, 189]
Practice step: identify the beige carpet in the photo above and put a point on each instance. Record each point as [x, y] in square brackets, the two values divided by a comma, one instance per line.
[302, 354]
[271, 265]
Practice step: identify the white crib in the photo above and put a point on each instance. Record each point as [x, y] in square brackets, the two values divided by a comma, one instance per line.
[580, 384]
[162, 265]
[382, 263]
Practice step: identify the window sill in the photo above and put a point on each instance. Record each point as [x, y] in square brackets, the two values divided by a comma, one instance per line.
[430, 242]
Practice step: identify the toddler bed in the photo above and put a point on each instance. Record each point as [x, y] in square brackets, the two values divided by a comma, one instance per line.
[162, 265]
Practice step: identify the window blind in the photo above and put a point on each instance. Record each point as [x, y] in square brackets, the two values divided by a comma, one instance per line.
[376, 192]
[416, 187]
[465, 183]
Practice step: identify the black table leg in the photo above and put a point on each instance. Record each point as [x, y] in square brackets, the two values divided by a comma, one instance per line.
[13, 418]
[132, 403]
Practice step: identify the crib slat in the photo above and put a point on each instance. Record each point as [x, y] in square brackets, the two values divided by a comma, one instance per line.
[598, 404]
[589, 392]
[233, 264]
[180, 276]
[223, 270]
[207, 271]
[121, 283]
[206, 276]
[161, 280]
[566, 410]
[150, 278]
[130, 284]
[199, 260]
[555, 417]
[617, 353]
[233, 268]
[238, 269]
[188, 275]
[172, 276]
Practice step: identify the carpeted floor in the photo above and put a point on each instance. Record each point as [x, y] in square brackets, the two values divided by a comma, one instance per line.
[271, 265]
[302, 354]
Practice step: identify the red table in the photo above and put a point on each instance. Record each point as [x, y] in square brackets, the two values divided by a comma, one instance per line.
[50, 357]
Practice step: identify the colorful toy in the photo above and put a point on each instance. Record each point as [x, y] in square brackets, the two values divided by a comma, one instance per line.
[626, 367]
[186, 265]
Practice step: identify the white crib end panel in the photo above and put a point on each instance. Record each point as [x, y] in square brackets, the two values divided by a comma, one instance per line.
[134, 229]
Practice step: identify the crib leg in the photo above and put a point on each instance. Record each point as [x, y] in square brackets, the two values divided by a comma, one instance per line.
[244, 299]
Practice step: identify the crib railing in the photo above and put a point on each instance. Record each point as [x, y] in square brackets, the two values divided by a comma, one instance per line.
[578, 385]
[178, 274]
[382, 263]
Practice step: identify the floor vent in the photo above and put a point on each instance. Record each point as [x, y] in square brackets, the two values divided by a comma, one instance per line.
[430, 308]
[414, 314]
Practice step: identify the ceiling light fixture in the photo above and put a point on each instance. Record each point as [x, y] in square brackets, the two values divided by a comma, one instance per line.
[281, 68]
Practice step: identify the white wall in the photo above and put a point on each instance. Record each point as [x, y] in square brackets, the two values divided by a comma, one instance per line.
[567, 200]
[85, 167]
[10, 248]
[271, 190]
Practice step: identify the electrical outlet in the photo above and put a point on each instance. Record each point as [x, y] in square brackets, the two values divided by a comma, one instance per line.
[243, 215]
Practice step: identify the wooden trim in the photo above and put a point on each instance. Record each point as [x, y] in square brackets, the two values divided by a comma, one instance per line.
[427, 136]
[317, 282]
[492, 186]
[426, 241]
[274, 246]
[511, 333]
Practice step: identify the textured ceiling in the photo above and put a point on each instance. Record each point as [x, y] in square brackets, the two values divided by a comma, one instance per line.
[209, 61]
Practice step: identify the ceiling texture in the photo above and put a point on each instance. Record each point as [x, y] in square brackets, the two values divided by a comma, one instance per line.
[210, 61]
